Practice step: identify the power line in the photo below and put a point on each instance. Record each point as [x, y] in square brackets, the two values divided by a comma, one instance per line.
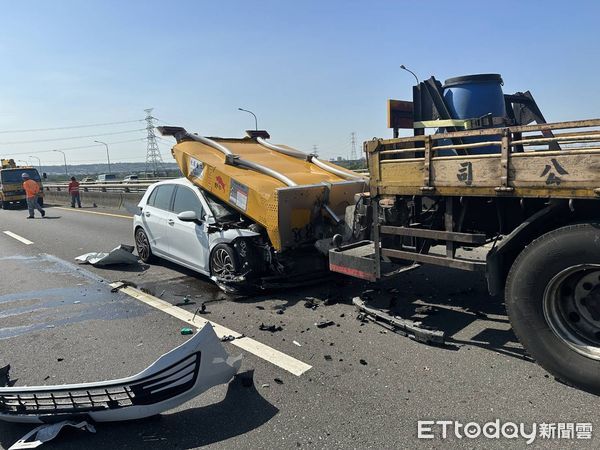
[31, 130]
[71, 137]
[74, 148]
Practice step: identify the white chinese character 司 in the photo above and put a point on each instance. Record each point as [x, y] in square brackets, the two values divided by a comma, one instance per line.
[583, 430]
[566, 430]
[547, 430]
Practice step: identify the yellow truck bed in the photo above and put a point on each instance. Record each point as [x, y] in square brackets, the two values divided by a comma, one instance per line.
[288, 195]
[527, 162]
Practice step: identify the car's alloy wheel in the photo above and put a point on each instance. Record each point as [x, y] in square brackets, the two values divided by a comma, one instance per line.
[223, 263]
[142, 244]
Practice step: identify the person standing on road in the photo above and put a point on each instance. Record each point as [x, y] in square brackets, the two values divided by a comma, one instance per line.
[32, 190]
[74, 191]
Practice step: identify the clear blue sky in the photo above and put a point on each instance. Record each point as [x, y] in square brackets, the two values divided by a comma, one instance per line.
[313, 71]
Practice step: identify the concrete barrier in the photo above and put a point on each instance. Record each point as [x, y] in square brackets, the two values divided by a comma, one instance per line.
[112, 200]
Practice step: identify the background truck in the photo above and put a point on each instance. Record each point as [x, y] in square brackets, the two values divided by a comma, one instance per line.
[527, 196]
[11, 184]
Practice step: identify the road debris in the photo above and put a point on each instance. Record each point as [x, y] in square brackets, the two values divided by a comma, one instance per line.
[297, 343]
[180, 372]
[5, 376]
[327, 357]
[123, 254]
[186, 331]
[47, 432]
[417, 331]
[363, 362]
[311, 302]
[425, 309]
[278, 380]
[324, 323]
[271, 328]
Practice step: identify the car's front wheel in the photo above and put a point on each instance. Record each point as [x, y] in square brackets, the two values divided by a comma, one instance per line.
[142, 244]
[224, 262]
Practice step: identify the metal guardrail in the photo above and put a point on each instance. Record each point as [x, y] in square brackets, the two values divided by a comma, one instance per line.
[103, 187]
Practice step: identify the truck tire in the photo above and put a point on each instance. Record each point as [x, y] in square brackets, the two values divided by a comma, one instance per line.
[553, 302]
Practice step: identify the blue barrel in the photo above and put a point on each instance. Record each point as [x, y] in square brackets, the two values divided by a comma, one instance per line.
[474, 96]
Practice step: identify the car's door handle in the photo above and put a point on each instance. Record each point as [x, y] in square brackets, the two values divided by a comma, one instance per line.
[171, 222]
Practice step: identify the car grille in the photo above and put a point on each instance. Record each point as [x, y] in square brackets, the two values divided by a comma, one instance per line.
[168, 383]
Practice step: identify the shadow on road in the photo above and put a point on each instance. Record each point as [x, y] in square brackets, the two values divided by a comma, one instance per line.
[242, 410]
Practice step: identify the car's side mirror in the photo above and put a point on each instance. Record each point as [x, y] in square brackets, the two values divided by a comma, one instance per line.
[187, 216]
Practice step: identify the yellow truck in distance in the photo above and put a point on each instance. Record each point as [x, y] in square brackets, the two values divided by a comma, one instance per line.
[11, 183]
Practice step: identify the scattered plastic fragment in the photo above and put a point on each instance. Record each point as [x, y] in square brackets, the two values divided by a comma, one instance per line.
[123, 254]
[328, 357]
[271, 328]
[185, 331]
[297, 343]
[176, 377]
[278, 380]
[363, 362]
[5, 376]
[324, 323]
[47, 432]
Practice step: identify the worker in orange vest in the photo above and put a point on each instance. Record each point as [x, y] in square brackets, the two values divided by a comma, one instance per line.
[74, 191]
[32, 190]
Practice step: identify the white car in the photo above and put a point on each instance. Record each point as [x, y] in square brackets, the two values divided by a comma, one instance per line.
[179, 222]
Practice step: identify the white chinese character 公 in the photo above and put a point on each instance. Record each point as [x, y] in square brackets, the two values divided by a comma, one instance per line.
[547, 430]
[583, 430]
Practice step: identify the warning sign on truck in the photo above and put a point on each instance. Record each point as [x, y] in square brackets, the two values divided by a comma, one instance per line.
[238, 195]
[196, 168]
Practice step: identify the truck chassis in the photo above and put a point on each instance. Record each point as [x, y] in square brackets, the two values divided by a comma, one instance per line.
[533, 206]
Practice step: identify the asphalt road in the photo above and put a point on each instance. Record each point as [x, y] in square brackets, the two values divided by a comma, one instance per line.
[367, 388]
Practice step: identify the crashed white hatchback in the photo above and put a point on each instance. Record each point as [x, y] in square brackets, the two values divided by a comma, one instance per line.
[176, 377]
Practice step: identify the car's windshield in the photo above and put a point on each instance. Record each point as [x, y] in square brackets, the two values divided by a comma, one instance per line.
[108, 177]
[15, 175]
[222, 212]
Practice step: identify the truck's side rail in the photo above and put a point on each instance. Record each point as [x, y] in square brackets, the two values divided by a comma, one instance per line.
[513, 161]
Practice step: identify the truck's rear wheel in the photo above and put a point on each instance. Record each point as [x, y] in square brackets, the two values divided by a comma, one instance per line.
[553, 302]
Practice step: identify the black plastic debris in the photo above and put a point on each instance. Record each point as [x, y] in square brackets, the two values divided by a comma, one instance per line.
[311, 302]
[271, 328]
[328, 357]
[278, 380]
[363, 362]
[324, 323]
[5, 376]
[228, 338]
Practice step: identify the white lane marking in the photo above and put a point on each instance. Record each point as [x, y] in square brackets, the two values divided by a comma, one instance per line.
[263, 351]
[18, 238]
[122, 216]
